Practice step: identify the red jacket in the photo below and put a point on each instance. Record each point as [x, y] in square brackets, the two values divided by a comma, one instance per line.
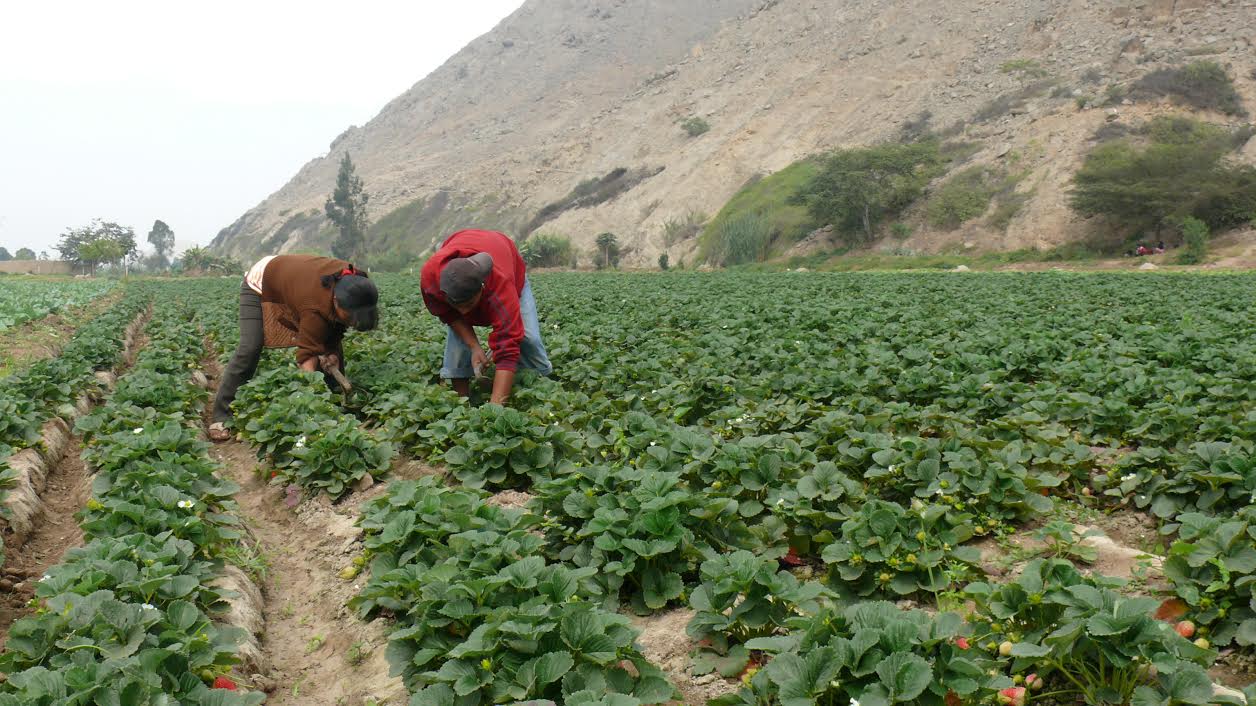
[499, 306]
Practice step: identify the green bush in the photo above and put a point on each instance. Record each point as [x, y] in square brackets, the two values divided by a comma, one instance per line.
[680, 229]
[695, 126]
[663, 262]
[1195, 236]
[744, 239]
[857, 189]
[769, 198]
[1180, 170]
[902, 231]
[546, 250]
[1202, 84]
[962, 198]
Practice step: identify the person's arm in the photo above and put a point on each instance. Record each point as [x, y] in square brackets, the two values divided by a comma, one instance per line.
[312, 336]
[466, 334]
[503, 383]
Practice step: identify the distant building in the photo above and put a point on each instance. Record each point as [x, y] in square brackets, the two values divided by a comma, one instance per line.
[39, 267]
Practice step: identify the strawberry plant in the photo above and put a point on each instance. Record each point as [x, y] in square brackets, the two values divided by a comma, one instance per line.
[1212, 567]
[644, 531]
[743, 597]
[505, 448]
[889, 549]
[870, 653]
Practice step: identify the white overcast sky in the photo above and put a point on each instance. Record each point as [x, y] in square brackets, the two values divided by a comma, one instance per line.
[134, 110]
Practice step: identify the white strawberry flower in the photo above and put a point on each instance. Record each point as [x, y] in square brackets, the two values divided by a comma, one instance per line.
[186, 504]
[137, 430]
[148, 606]
[1129, 477]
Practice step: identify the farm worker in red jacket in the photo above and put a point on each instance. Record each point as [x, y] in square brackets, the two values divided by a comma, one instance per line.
[477, 278]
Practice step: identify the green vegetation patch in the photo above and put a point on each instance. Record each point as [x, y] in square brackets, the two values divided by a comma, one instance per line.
[763, 213]
[1205, 85]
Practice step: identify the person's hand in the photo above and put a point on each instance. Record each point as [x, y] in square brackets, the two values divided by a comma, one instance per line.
[479, 361]
[329, 361]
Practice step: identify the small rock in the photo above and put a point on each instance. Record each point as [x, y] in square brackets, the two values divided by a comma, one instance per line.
[6, 585]
[705, 679]
[262, 682]
[1003, 151]
[364, 483]
[1148, 266]
[1113, 115]
[962, 268]
[199, 379]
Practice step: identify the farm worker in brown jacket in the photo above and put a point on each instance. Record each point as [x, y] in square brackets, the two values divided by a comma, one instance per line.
[317, 299]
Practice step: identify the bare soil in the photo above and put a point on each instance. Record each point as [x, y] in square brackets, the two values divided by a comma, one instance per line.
[319, 653]
[664, 642]
[68, 488]
[43, 338]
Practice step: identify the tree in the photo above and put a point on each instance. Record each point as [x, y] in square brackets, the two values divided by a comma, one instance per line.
[101, 251]
[162, 239]
[198, 259]
[856, 189]
[663, 262]
[43, 254]
[1182, 171]
[347, 210]
[24, 254]
[4, 255]
[608, 250]
[75, 239]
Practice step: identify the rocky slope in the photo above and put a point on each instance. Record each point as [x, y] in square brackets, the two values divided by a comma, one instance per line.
[565, 91]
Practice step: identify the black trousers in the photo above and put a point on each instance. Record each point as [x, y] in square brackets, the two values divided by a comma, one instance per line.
[244, 363]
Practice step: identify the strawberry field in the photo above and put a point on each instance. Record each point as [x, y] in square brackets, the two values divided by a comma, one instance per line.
[851, 489]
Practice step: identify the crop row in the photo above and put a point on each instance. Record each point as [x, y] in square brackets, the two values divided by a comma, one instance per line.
[865, 427]
[51, 387]
[129, 617]
[22, 301]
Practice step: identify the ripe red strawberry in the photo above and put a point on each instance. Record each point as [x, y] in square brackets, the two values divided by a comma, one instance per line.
[1185, 628]
[791, 558]
[224, 683]
[961, 642]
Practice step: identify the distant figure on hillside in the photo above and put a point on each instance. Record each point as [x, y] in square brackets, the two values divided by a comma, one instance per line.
[1143, 250]
[1160, 248]
[477, 278]
[309, 301]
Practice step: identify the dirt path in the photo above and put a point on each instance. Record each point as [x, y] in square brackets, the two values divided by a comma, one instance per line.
[68, 488]
[317, 652]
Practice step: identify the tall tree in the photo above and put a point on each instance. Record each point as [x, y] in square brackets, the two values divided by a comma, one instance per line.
[162, 239]
[4, 255]
[24, 254]
[73, 241]
[608, 250]
[347, 209]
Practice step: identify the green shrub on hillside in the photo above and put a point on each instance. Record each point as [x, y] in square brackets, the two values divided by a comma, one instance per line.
[1202, 84]
[1195, 236]
[857, 189]
[747, 238]
[695, 126]
[676, 230]
[546, 250]
[1180, 170]
[768, 201]
[961, 198]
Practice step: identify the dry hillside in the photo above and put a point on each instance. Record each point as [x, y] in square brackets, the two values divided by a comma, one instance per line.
[564, 91]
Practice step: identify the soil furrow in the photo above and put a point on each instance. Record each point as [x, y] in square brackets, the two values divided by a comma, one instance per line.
[318, 652]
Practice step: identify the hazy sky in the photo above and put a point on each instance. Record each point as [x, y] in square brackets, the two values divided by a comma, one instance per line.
[134, 110]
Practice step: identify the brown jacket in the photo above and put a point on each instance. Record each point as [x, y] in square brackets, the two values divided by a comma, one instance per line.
[294, 283]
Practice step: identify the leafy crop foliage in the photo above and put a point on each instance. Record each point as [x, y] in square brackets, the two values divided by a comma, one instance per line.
[26, 301]
[1181, 171]
[797, 426]
[289, 415]
[130, 617]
